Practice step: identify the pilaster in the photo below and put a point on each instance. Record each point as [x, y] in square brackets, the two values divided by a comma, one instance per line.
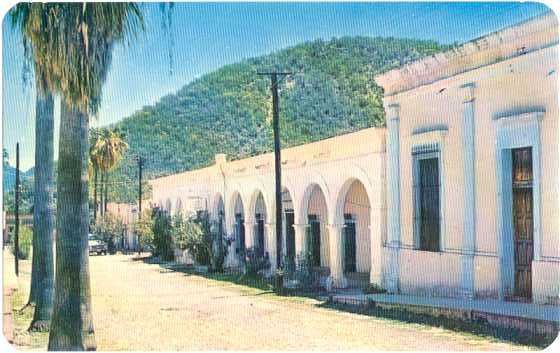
[469, 215]
[393, 196]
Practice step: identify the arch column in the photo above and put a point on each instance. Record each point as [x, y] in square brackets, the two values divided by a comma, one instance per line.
[270, 245]
[300, 231]
[336, 252]
[250, 225]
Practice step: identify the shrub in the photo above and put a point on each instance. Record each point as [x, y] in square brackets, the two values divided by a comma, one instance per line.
[255, 264]
[162, 241]
[144, 229]
[373, 288]
[196, 238]
[25, 240]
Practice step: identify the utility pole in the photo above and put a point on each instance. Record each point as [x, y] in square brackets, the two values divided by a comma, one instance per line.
[16, 228]
[277, 158]
[140, 165]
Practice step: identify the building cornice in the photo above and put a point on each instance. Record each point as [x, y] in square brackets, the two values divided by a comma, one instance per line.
[538, 33]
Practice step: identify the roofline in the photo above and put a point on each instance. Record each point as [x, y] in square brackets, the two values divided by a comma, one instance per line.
[530, 35]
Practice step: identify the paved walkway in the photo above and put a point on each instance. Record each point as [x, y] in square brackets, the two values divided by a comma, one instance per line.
[492, 306]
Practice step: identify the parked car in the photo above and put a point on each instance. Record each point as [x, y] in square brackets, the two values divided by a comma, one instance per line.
[96, 245]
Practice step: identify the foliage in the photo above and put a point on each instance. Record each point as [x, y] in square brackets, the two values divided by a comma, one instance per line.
[198, 238]
[24, 242]
[302, 272]
[255, 264]
[373, 288]
[111, 230]
[229, 110]
[162, 240]
[144, 228]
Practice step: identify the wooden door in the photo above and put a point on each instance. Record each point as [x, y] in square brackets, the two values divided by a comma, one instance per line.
[349, 244]
[522, 180]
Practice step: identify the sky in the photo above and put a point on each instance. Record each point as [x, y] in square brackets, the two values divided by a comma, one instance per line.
[206, 36]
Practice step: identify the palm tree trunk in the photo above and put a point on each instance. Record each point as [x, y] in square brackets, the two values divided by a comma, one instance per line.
[42, 271]
[106, 188]
[101, 194]
[94, 194]
[72, 324]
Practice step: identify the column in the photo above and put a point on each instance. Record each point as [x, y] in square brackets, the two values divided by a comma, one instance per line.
[270, 229]
[300, 234]
[469, 216]
[336, 253]
[250, 225]
[393, 198]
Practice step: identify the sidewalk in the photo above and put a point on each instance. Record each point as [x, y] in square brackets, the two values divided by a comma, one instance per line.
[531, 311]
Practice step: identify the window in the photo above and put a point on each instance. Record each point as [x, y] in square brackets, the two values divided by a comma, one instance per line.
[427, 197]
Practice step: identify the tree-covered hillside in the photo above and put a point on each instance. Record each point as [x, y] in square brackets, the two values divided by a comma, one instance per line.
[229, 110]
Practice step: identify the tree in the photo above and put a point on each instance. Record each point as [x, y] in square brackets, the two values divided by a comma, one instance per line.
[81, 38]
[94, 162]
[108, 150]
[30, 19]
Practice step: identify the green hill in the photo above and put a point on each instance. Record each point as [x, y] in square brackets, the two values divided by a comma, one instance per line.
[229, 110]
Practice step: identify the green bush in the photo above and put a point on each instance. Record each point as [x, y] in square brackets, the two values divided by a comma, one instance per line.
[143, 227]
[255, 264]
[373, 288]
[162, 240]
[25, 240]
[197, 238]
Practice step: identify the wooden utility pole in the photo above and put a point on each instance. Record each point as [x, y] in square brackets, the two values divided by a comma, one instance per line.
[16, 211]
[277, 158]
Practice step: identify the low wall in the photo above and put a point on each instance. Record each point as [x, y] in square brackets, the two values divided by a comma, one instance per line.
[546, 282]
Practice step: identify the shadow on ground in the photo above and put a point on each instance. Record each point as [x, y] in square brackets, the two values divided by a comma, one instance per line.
[266, 286]
[477, 328]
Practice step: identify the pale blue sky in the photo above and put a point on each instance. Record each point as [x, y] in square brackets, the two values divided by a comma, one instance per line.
[208, 36]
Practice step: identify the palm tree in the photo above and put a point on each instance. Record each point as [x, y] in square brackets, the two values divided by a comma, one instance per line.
[30, 19]
[109, 149]
[81, 38]
[94, 162]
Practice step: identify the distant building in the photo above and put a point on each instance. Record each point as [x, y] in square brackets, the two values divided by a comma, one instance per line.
[458, 196]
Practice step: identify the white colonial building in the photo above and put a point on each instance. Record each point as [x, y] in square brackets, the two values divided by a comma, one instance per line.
[459, 196]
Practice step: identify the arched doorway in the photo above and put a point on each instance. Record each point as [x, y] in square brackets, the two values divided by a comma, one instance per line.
[288, 245]
[260, 215]
[317, 240]
[356, 237]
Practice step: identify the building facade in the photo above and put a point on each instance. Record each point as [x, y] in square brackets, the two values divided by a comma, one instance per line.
[457, 197]
[473, 148]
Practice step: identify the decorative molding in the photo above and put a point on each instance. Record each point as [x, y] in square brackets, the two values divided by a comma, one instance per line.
[510, 42]
[429, 137]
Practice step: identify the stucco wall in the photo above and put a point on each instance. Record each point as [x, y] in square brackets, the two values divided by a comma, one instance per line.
[518, 85]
